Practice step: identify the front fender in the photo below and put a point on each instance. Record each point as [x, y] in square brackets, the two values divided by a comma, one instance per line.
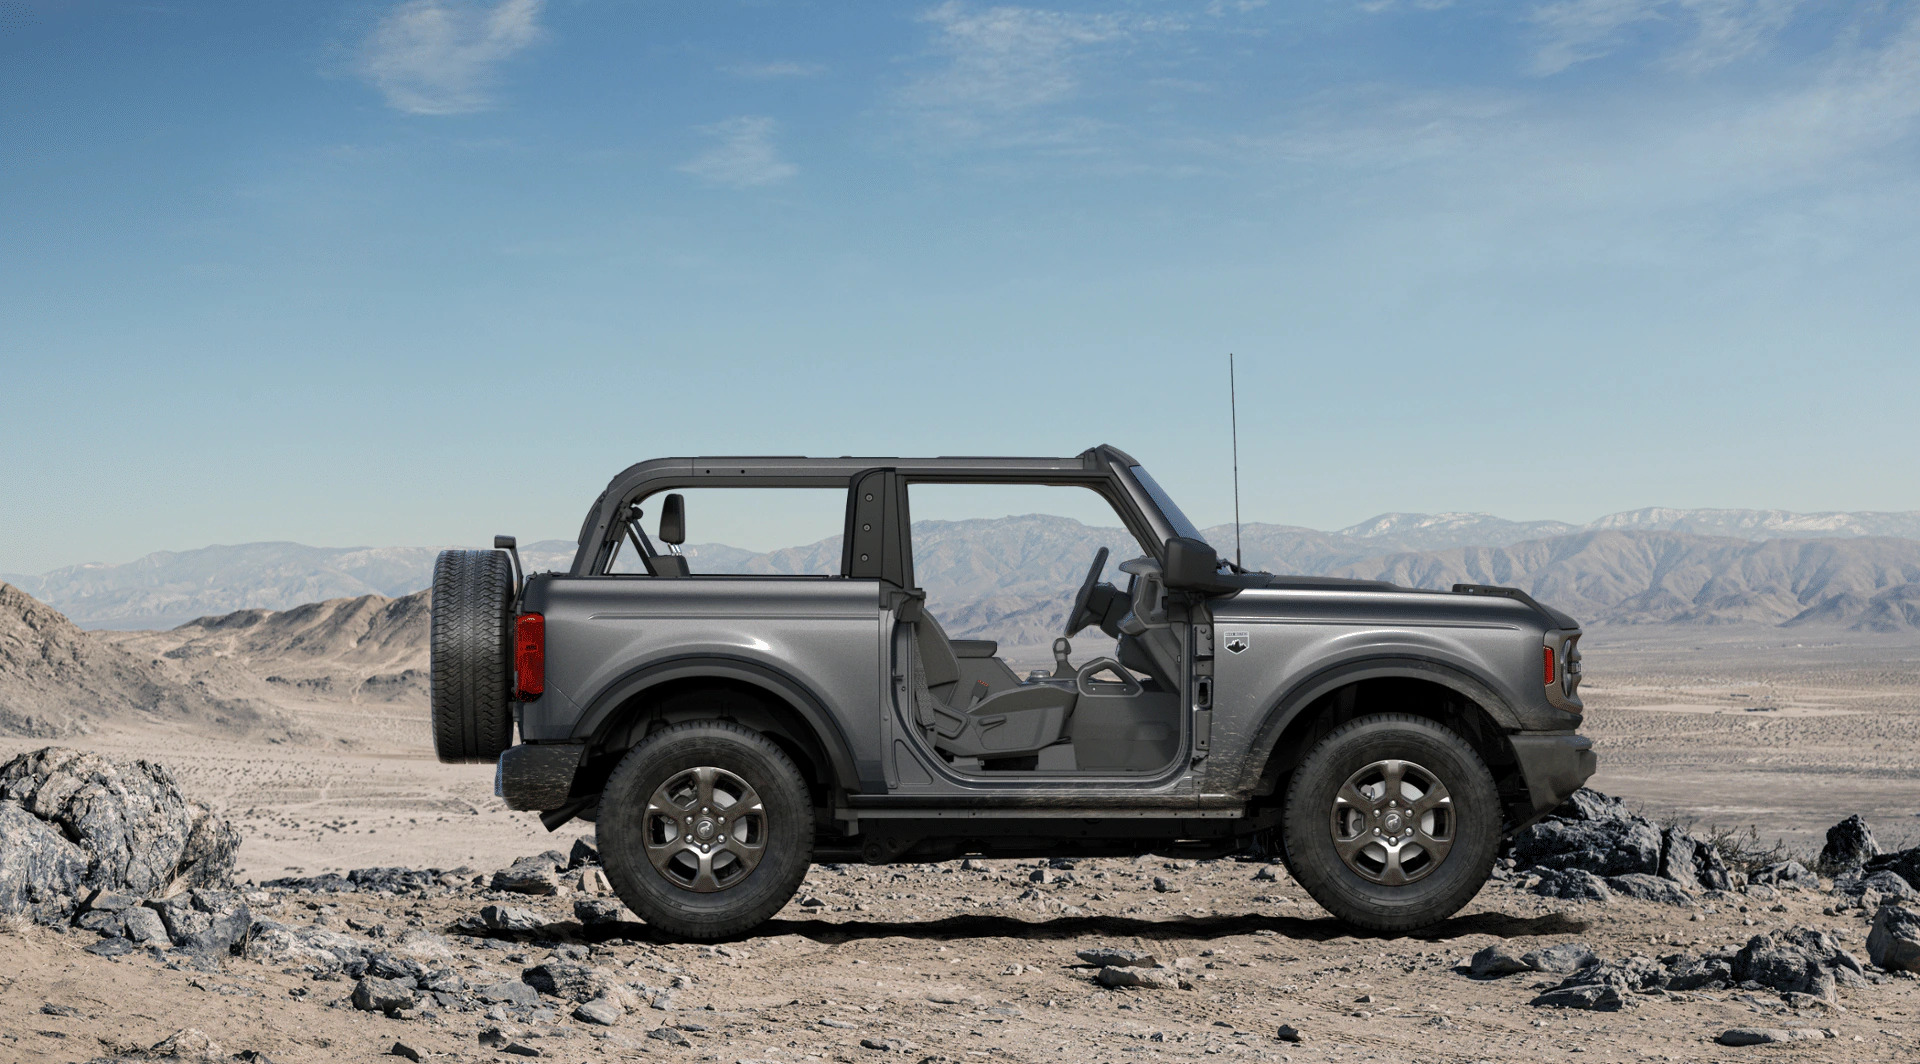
[790, 691]
[1285, 709]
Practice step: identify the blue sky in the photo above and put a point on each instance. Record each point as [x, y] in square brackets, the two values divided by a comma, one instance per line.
[374, 273]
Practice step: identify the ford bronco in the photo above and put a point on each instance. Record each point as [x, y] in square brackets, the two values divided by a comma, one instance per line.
[725, 731]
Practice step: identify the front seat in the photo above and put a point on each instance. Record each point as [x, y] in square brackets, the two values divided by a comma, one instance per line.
[974, 719]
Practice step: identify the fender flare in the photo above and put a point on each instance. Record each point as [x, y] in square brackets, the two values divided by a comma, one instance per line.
[1286, 709]
[788, 690]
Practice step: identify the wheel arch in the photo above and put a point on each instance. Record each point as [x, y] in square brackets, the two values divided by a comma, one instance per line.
[1424, 687]
[749, 692]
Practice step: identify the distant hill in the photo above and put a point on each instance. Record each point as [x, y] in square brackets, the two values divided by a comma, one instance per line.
[1006, 571]
[56, 680]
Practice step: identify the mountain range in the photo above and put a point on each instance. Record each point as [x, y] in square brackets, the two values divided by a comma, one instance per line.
[1644, 566]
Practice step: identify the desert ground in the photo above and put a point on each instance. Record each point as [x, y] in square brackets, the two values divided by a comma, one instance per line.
[1788, 731]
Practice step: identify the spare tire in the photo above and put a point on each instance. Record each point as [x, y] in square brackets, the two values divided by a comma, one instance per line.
[471, 680]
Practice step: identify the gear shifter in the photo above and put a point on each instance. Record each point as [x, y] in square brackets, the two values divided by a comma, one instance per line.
[1062, 668]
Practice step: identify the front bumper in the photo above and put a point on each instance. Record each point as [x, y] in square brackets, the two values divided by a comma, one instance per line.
[1554, 765]
[537, 775]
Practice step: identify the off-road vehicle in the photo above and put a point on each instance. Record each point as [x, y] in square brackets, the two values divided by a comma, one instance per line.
[725, 731]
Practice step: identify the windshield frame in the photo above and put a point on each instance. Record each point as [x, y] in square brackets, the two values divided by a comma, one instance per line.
[1159, 503]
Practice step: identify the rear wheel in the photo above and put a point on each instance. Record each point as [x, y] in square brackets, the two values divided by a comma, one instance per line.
[1392, 822]
[706, 829]
[470, 683]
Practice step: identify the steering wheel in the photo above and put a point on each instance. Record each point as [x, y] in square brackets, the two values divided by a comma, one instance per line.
[1078, 617]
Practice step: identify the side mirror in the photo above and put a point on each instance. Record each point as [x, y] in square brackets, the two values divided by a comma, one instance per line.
[673, 519]
[1190, 563]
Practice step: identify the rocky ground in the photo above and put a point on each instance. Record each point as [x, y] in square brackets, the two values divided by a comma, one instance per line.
[1603, 936]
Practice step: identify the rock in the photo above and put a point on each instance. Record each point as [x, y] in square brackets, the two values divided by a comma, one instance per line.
[528, 875]
[51, 1009]
[110, 947]
[1903, 863]
[137, 831]
[1563, 959]
[1042, 876]
[599, 1010]
[1600, 988]
[1782, 967]
[1785, 873]
[581, 855]
[1712, 972]
[884, 1045]
[502, 918]
[1290, 1033]
[1692, 861]
[1593, 833]
[223, 934]
[1884, 882]
[111, 901]
[1266, 874]
[105, 924]
[1894, 942]
[1114, 957]
[189, 1044]
[594, 881]
[596, 912]
[1650, 888]
[520, 1049]
[669, 1035]
[1496, 961]
[1574, 885]
[1144, 978]
[401, 1049]
[974, 865]
[1849, 846]
[1756, 1036]
[1162, 886]
[40, 870]
[572, 982]
[509, 992]
[374, 994]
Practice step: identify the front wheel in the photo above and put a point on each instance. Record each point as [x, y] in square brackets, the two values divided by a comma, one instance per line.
[706, 829]
[1392, 822]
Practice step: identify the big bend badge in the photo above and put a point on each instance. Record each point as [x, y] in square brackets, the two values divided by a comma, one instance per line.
[1237, 642]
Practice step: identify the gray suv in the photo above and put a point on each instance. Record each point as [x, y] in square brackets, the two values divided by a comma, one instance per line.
[723, 732]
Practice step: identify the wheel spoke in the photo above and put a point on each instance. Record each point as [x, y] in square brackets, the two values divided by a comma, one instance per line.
[703, 778]
[1390, 843]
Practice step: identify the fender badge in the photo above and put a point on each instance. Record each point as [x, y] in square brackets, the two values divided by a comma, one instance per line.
[1237, 642]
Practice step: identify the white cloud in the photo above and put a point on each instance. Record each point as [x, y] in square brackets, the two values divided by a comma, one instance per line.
[1570, 32]
[434, 57]
[1008, 58]
[743, 155]
[784, 68]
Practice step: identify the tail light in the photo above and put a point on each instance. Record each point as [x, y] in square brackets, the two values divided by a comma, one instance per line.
[529, 656]
[1560, 669]
[1549, 656]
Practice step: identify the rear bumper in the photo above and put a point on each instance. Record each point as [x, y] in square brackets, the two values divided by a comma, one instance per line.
[1554, 765]
[537, 775]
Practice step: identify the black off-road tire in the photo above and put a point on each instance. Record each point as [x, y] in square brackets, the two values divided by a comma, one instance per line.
[669, 906]
[470, 682]
[1308, 824]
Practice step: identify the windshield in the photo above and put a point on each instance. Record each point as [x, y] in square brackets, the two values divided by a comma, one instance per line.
[1168, 509]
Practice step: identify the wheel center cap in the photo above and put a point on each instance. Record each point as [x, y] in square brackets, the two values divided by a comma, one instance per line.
[1393, 823]
[703, 828]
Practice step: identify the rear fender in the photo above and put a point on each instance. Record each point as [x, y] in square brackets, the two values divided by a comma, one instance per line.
[782, 687]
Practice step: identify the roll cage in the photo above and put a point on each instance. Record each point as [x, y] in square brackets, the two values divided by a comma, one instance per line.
[875, 534]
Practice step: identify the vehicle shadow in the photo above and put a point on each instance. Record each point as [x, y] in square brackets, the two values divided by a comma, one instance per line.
[1294, 928]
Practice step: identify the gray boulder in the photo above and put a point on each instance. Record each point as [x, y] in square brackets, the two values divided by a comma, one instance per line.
[1885, 883]
[1650, 888]
[40, 871]
[528, 875]
[1785, 874]
[1116, 957]
[574, 982]
[1903, 863]
[1576, 885]
[1496, 961]
[374, 994]
[1605, 848]
[1849, 846]
[128, 823]
[1894, 942]
[1782, 967]
[1563, 959]
[1692, 861]
[596, 912]
[1711, 972]
[1600, 988]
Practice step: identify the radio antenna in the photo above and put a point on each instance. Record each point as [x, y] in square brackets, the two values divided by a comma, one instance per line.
[1233, 414]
